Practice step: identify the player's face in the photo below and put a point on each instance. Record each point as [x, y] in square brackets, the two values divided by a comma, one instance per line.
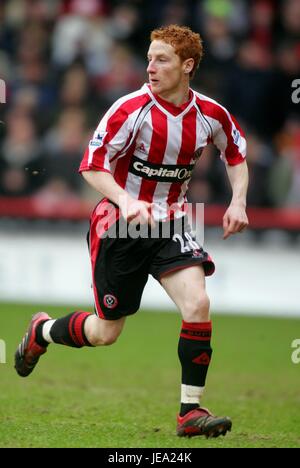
[165, 69]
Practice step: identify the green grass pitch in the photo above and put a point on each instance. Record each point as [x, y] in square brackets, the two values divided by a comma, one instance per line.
[126, 395]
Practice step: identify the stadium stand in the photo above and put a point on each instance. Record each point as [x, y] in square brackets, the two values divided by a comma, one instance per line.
[65, 61]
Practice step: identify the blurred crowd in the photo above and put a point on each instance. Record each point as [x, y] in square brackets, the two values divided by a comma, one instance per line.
[65, 62]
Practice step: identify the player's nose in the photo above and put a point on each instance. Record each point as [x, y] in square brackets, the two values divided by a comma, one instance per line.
[151, 68]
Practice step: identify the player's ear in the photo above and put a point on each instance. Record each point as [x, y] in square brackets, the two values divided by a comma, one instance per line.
[188, 65]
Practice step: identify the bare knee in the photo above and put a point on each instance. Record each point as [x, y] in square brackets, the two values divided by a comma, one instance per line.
[103, 339]
[102, 332]
[196, 309]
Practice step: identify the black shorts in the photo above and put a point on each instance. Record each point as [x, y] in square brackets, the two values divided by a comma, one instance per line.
[121, 264]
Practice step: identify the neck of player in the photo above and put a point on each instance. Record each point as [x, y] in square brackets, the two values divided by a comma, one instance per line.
[178, 96]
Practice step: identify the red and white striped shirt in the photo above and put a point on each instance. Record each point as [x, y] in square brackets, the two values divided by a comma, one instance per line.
[150, 146]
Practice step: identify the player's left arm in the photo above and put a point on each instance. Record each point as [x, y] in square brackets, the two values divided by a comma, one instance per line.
[235, 218]
[230, 139]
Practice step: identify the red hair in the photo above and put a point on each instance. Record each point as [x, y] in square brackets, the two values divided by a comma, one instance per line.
[187, 44]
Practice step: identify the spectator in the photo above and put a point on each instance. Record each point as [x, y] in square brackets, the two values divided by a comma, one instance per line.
[64, 145]
[285, 173]
[65, 60]
[21, 167]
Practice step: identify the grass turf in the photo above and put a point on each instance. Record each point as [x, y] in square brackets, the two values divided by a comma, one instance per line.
[127, 395]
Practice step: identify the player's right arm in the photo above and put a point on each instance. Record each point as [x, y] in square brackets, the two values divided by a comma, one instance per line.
[131, 208]
[109, 142]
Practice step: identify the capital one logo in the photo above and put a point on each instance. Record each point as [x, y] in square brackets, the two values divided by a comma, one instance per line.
[296, 93]
[2, 92]
[295, 357]
[2, 352]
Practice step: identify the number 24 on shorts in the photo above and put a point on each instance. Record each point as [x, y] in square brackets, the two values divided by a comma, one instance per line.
[187, 243]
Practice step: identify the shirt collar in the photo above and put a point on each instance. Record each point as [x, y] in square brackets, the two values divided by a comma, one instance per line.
[169, 106]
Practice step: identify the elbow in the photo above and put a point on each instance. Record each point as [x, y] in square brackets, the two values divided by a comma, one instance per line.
[89, 176]
[85, 174]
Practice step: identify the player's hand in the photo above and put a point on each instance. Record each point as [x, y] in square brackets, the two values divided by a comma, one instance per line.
[137, 211]
[234, 220]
